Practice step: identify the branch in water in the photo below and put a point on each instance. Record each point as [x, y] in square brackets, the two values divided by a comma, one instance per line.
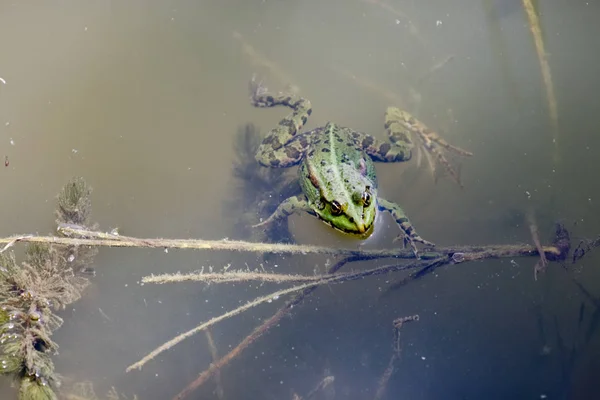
[557, 252]
[80, 236]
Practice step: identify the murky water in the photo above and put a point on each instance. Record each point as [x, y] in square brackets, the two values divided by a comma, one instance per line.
[143, 99]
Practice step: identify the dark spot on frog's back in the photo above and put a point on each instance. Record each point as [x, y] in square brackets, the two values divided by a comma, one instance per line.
[292, 152]
[311, 153]
[367, 141]
[272, 140]
[384, 148]
[325, 150]
[290, 125]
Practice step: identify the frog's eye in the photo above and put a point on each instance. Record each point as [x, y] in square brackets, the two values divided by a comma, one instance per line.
[336, 208]
[366, 198]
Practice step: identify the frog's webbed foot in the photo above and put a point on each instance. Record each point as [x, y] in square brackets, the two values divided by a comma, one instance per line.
[407, 240]
[287, 207]
[408, 233]
[257, 90]
[433, 143]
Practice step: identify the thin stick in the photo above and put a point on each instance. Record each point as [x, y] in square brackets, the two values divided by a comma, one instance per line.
[215, 356]
[317, 279]
[93, 238]
[201, 244]
[329, 279]
[212, 321]
[534, 26]
[540, 266]
[395, 355]
[229, 277]
[323, 383]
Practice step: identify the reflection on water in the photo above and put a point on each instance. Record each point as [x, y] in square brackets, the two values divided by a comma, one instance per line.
[146, 101]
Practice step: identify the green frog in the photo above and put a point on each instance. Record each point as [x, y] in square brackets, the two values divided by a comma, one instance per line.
[336, 170]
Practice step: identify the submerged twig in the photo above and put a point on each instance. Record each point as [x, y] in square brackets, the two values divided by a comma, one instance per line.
[540, 266]
[229, 277]
[534, 26]
[87, 237]
[395, 355]
[256, 334]
[215, 357]
[213, 321]
[324, 280]
[322, 385]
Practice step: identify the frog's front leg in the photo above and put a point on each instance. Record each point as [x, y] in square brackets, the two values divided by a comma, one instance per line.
[283, 146]
[410, 234]
[289, 206]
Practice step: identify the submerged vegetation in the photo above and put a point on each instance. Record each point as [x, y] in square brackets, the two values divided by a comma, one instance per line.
[50, 277]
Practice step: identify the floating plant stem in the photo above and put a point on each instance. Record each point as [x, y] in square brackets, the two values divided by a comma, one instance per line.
[534, 26]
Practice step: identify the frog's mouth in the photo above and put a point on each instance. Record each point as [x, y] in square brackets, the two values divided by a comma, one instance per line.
[367, 231]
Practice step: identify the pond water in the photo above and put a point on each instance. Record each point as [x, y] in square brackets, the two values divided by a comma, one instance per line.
[144, 99]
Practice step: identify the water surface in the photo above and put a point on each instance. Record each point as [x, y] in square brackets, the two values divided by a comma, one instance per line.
[143, 99]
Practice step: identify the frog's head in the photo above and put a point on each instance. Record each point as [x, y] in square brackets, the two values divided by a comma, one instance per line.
[354, 214]
[342, 194]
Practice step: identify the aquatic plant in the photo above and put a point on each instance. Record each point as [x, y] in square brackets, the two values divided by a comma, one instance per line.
[51, 277]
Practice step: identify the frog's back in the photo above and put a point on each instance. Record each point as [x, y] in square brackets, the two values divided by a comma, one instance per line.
[334, 167]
